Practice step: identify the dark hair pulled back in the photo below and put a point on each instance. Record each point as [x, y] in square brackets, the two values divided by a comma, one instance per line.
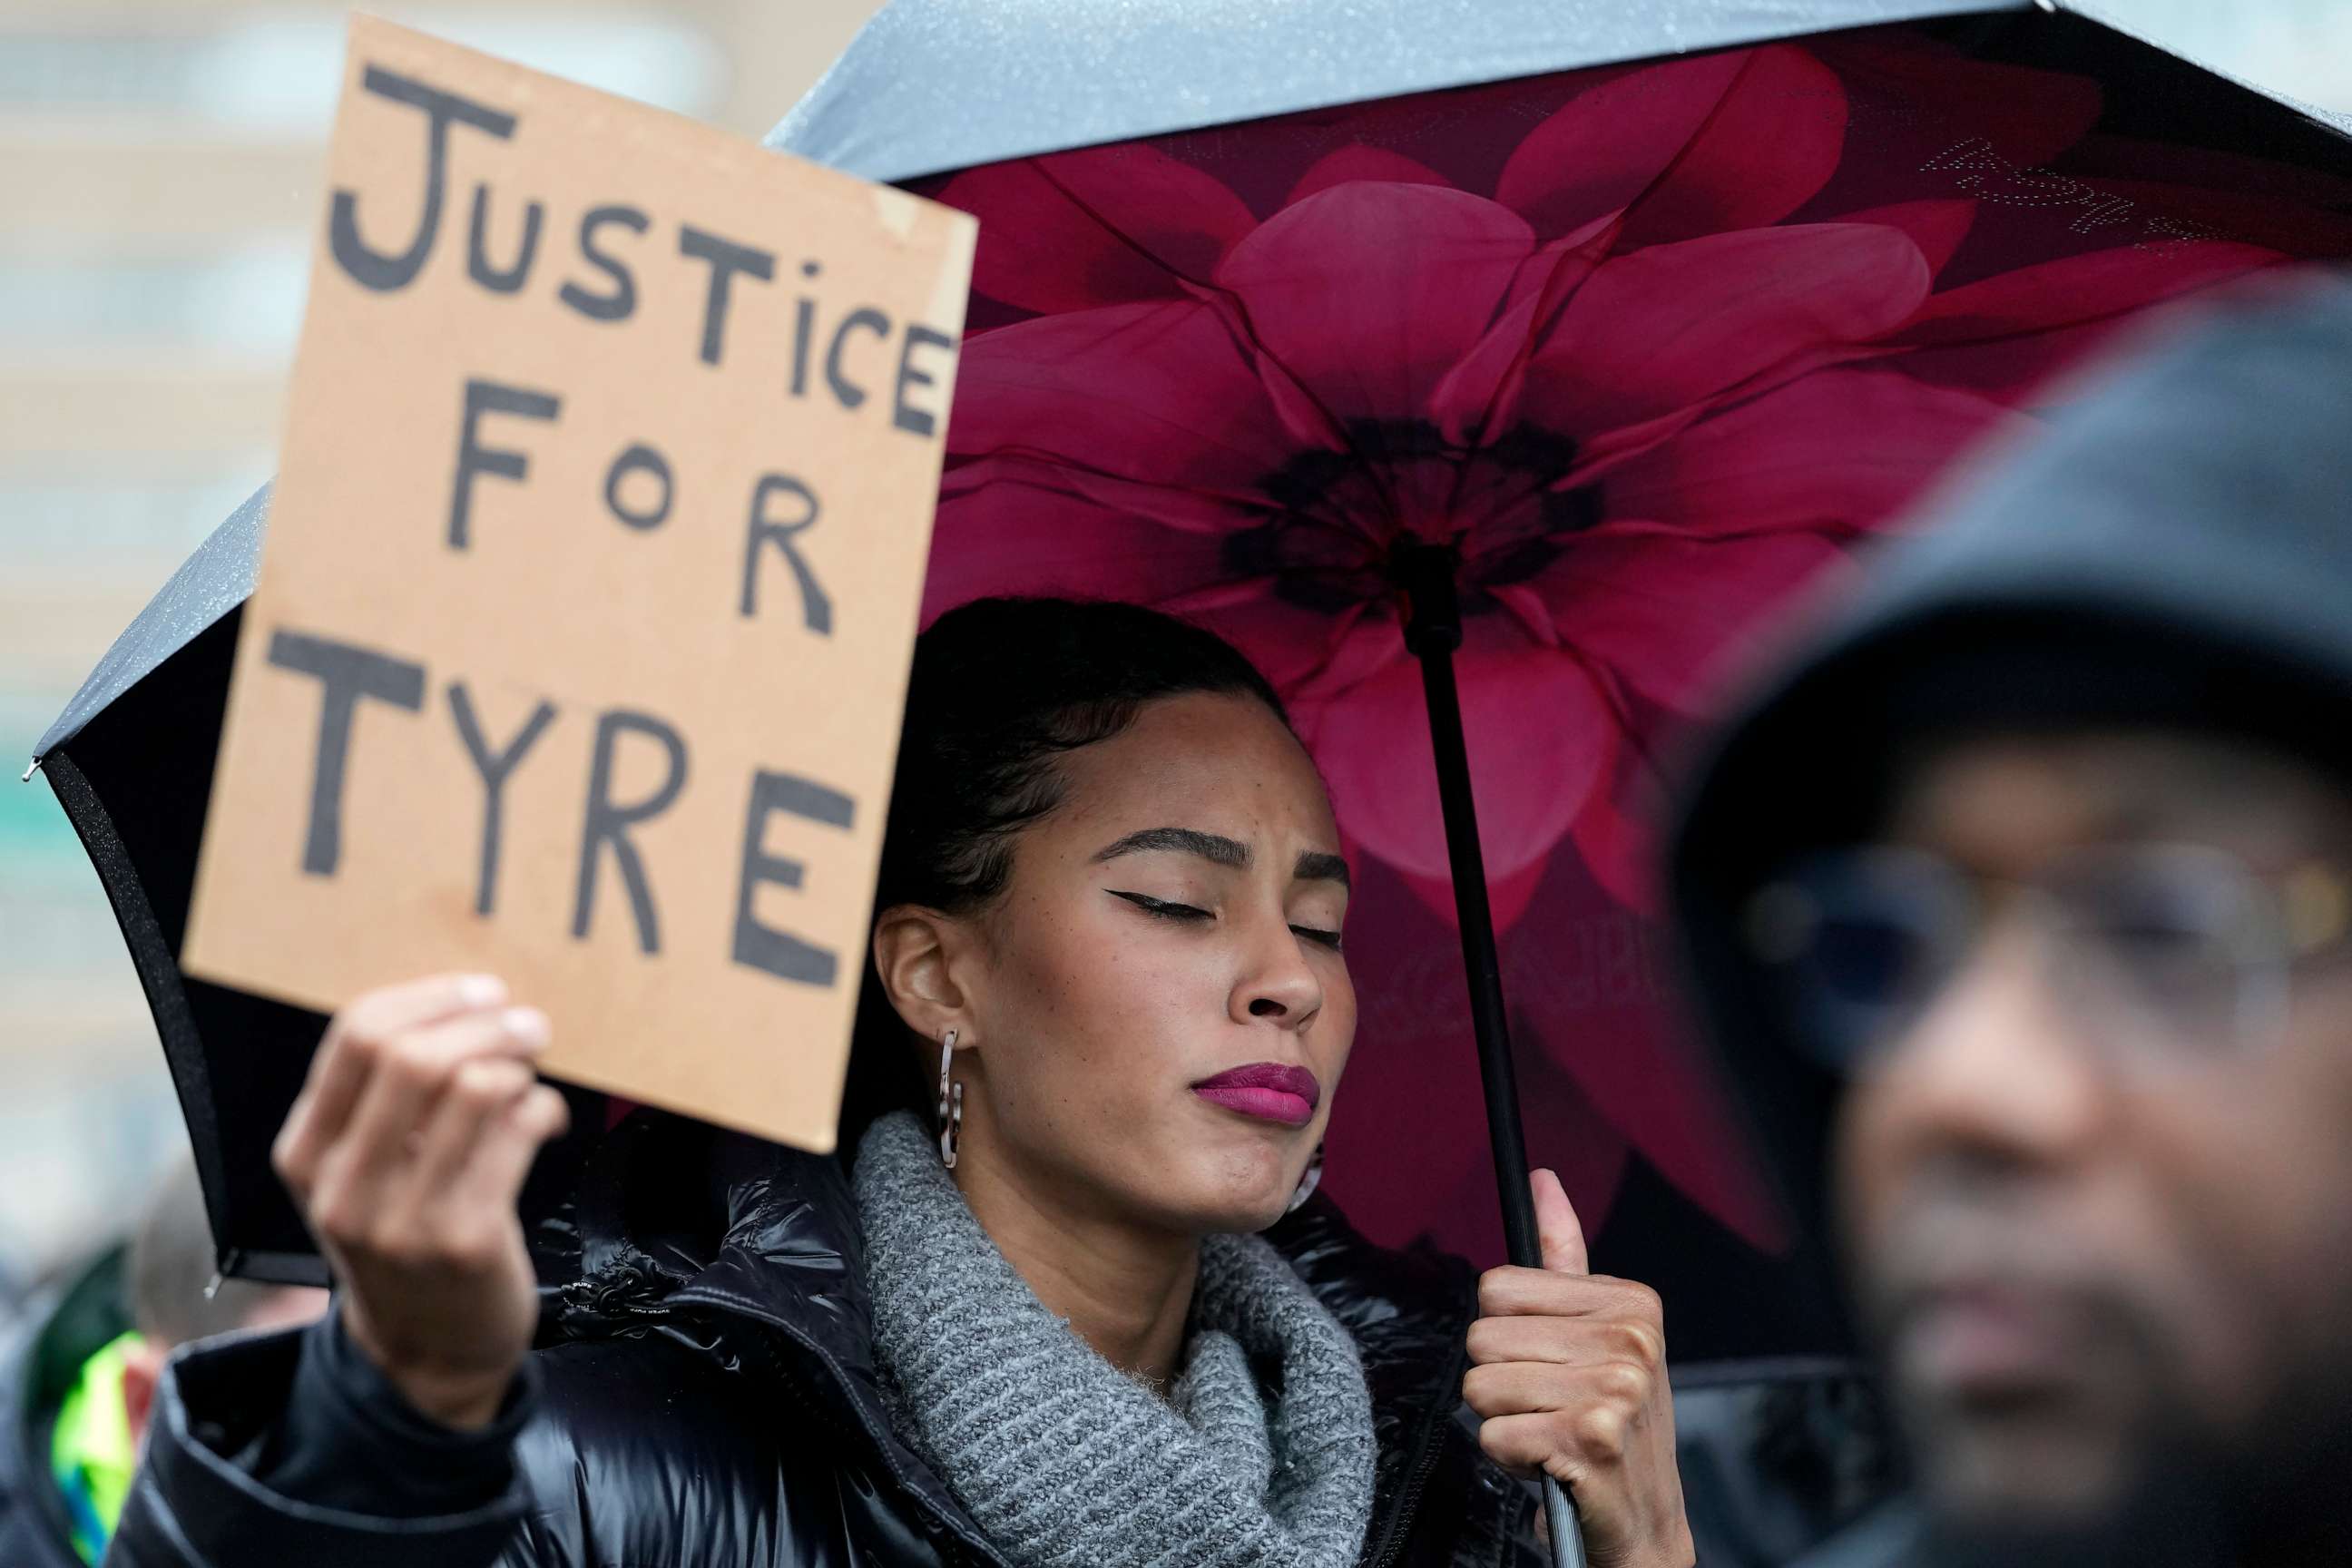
[1002, 689]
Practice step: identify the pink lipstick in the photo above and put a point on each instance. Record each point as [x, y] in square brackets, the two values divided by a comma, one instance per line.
[1265, 1090]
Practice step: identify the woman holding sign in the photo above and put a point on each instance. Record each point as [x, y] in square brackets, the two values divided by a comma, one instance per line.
[1031, 1319]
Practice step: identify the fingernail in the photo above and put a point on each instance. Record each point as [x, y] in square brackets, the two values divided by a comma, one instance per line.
[528, 1025]
[481, 990]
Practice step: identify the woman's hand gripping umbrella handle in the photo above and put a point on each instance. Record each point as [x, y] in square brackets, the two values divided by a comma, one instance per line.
[1568, 1375]
[1432, 630]
[1560, 1525]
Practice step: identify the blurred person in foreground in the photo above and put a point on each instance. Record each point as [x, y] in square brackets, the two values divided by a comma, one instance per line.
[2041, 859]
[78, 1373]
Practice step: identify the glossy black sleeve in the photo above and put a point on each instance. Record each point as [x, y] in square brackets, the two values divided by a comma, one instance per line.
[292, 1448]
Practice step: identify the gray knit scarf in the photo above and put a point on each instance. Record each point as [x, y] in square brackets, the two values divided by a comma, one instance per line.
[1066, 1462]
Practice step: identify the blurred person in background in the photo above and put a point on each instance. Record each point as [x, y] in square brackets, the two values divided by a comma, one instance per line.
[78, 1372]
[2041, 858]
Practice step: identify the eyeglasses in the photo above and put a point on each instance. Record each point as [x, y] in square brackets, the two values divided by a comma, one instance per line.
[2163, 953]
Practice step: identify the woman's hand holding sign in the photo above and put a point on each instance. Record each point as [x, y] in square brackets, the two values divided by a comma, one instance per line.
[1570, 1380]
[407, 1150]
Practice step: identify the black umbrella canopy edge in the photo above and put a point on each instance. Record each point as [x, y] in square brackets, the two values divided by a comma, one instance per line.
[206, 588]
[159, 978]
[154, 956]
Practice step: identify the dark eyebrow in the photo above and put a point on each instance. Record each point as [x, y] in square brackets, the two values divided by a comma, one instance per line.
[1210, 847]
[1314, 867]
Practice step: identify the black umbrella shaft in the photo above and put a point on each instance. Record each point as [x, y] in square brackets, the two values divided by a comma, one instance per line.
[1433, 632]
[1481, 961]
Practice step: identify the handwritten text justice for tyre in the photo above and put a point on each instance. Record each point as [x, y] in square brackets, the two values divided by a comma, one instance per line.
[858, 357]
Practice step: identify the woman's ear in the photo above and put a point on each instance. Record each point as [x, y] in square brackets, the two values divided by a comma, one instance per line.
[923, 959]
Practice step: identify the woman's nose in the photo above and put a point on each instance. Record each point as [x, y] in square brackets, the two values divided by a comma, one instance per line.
[1278, 982]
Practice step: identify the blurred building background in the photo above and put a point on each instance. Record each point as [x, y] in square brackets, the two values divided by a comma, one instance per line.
[159, 165]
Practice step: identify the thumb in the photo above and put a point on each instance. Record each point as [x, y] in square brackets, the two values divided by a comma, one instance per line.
[1557, 1226]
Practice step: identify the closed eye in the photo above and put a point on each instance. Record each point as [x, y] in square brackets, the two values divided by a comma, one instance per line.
[1162, 907]
[1189, 915]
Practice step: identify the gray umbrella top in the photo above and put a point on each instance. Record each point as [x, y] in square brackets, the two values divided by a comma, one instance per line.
[209, 585]
[934, 85]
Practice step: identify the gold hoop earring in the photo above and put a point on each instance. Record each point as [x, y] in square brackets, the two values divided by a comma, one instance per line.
[950, 1102]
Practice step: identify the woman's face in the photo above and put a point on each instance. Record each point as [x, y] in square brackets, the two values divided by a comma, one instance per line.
[1157, 1006]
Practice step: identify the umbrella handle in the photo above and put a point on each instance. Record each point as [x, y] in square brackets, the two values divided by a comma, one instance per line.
[1560, 1518]
[1432, 631]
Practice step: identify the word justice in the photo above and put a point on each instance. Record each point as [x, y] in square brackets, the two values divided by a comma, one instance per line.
[850, 354]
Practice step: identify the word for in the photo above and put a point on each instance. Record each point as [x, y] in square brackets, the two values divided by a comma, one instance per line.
[640, 492]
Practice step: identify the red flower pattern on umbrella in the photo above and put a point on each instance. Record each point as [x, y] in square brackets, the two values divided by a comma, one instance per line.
[1630, 377]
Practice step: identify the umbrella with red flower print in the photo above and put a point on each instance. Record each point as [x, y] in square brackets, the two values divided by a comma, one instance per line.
[1596, 368]
[1503, 413]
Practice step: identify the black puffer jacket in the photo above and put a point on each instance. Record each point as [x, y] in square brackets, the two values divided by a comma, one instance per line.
[707, 1396]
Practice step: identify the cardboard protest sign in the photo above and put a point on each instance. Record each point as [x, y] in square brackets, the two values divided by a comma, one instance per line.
[581, 634]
